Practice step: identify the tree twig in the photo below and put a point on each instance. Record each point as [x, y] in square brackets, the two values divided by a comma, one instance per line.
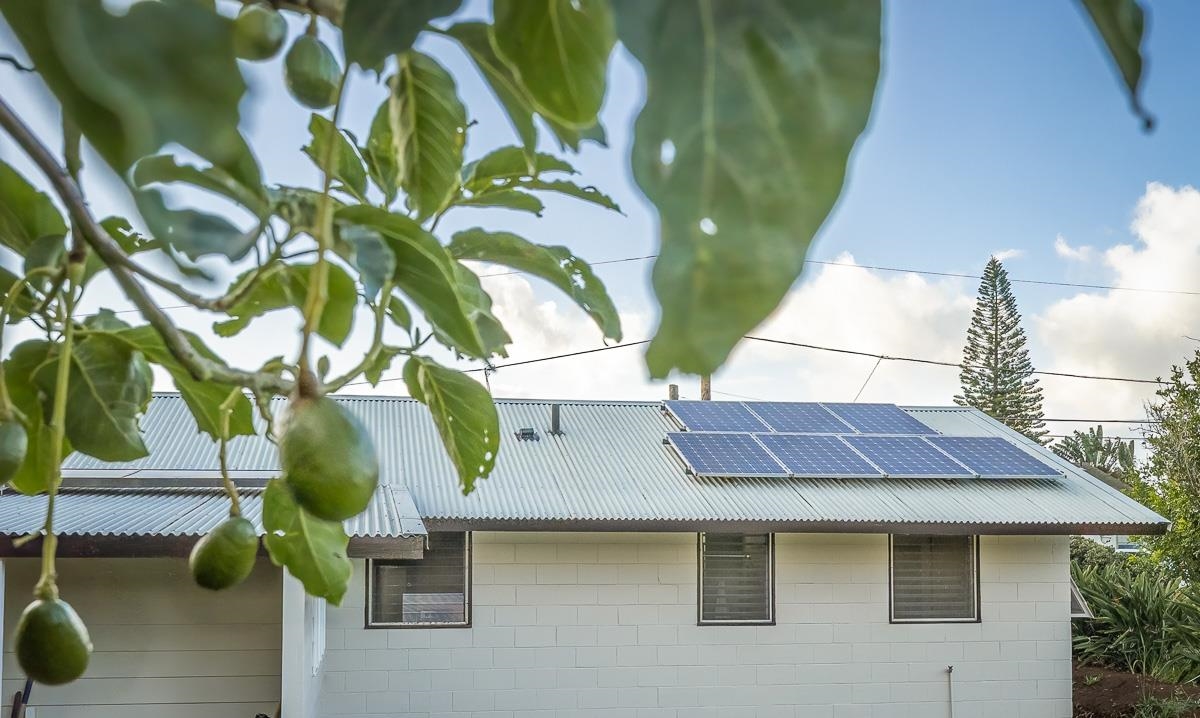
[200, 367]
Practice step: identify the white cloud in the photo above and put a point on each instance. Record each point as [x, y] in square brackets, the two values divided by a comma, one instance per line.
[1006, 254]
[1062, 248]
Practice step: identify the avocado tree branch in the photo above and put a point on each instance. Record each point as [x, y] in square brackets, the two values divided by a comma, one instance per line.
[111, 253]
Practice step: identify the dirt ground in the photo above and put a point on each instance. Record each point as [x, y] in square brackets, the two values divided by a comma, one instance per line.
[1113, 694]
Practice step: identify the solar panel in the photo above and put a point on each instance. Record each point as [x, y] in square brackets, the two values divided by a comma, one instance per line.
[878, 419]
[715, 416]
[802, 417]
[907, 457]
[993, 457]
[818, 456]
[711, 454]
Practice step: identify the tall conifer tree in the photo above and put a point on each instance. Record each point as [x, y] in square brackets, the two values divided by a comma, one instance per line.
[997, 376]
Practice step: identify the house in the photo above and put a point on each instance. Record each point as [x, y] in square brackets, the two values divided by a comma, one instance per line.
[613, 565]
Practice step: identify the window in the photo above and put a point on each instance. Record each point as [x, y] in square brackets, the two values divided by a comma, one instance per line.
[1079, 605]
[934, 579]
[431, 591]
[737, 582]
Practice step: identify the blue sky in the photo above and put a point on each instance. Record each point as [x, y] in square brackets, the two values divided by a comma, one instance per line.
[998, 126]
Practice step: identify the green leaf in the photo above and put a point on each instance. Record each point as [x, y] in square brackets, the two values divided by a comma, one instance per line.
[286, 285]
[105, 320]
[26, 215]
[298, 207]
[203, 397]
[425, 273]
[428, 124]
[507, 165]
[572, 138]
[752, 110]
[475, 38]
[193, 233]
[559, 50]
[374, 29]
[165, 169]
[131, 85]
[312, 549]
[479, 309]
[371, 255]
[587, 194]
[22, 306]
[398, 312]
[505, 199]
[133, 243]
[110, 387]
[22, 365]
[464, 415]
[344, 163]
[1121, 24]
[380, 154]
[556, 265]
[374, 370]
[46, 253]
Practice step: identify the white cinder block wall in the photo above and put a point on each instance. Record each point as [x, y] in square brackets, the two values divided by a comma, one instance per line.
[604, 625]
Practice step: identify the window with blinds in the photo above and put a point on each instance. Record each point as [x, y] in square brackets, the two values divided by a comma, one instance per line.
[429, 591]
[737, 578]
[934, 579]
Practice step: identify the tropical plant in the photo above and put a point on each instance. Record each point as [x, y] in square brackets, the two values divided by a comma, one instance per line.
[1091, 449]
[751, 112]
[1144, 622]
[997, 376]
[1169, 480]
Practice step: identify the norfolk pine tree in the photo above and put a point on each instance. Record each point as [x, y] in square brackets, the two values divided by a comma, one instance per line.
[996, 372]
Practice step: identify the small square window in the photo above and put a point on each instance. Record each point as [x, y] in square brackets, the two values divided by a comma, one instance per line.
[431, 591]
[935, 579]
[737, 582]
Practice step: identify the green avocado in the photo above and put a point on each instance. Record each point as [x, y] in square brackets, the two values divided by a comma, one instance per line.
[51, 642]
[258, 32]
[224, 557]
[328, 459]
[312, 73]
[14, 442]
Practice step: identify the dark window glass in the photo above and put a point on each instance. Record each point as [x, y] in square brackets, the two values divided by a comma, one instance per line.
[736, 578]
[934, 578]
[430, 590]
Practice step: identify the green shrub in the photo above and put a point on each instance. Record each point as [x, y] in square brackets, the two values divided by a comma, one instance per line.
[1087, 552]
[1145, 622]
[1150, 707]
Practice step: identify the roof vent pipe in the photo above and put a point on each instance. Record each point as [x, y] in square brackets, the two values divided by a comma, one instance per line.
[556, 420]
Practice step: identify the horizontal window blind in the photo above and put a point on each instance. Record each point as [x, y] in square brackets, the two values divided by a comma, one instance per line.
[429, 590]
[933, 578]
[736, 578]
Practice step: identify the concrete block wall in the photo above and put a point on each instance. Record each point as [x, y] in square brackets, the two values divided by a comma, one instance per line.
[604, 626]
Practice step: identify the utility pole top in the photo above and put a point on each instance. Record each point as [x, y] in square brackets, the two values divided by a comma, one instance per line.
[672, 391]
[706, 387]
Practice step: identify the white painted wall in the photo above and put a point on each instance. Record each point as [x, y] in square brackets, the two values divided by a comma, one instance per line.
[303, 650]
[164, 647]
[604, 626]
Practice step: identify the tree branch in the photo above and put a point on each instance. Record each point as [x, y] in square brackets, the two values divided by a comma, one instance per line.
[200, 367]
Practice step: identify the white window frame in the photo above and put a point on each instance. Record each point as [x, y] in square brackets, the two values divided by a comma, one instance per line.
[770, 620]
[974, 552]
[466, 623]
[1077, 597]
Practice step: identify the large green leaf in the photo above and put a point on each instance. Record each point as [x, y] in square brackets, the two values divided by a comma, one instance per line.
[556, 265]
[428, 124]
[26, 215]
[344, 163]
[475, 37]
[380, 154]
[370, 255]
[492, 333]
[157, 73]
[751, 112]
[109, 390]
[570, 189]
[193, 233]
[312, 549]
[425, 273]
[203, 398]
[374, 29]
[505, 199]
[25, 362]
[165, 169]
[464, 415]
[559, 50]
[508, 165]
[1122, 25]
[286, 285]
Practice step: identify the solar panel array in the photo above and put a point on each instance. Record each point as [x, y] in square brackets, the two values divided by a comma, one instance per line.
[812, 440]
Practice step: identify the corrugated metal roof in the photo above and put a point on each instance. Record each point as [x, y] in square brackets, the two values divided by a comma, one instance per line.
[182, 512]
[609, 468]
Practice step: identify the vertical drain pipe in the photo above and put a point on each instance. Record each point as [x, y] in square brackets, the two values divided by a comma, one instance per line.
[950, 684]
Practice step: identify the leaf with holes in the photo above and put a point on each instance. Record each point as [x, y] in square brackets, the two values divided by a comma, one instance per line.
[570, 189]
[505, 199]
[559, 51]
[752, 110]
[1121, 25]
[312, 549]
[428, 127]
[556, 265]
[464, 415]
[508, 165]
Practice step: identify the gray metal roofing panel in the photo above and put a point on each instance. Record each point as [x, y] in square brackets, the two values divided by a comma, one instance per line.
[610, 465]
[181, 512]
